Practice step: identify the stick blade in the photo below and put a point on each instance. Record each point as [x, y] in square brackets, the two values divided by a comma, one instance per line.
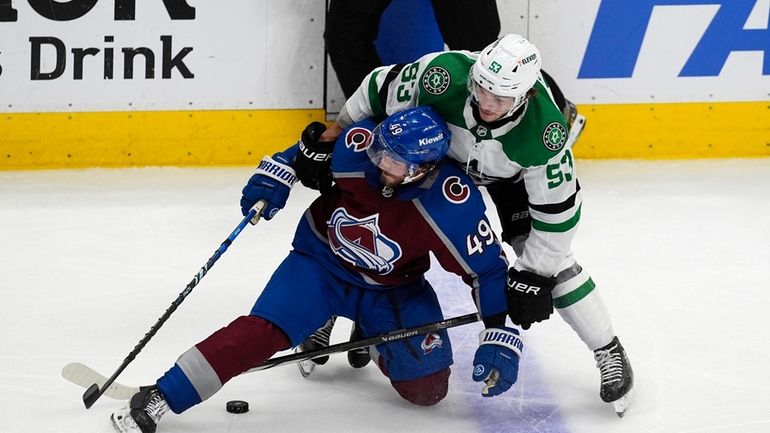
[91, 395]
[84, 376]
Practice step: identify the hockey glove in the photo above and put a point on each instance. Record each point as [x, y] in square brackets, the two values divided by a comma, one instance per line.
[497, 360]
[314, 159]
[272, 182]
[529, 297]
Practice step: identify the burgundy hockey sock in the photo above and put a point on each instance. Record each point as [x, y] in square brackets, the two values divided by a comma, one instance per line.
[245, 343]
[425, 391]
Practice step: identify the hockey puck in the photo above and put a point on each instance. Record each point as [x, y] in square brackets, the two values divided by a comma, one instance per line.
[237, 406]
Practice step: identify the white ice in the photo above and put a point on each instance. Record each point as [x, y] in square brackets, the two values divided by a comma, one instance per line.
[90, 259]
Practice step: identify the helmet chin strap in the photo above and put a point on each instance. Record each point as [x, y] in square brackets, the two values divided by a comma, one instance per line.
[517, 103]
[387, 190]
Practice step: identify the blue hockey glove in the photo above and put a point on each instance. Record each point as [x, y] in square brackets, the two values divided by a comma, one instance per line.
[272, 183]
[497, 360]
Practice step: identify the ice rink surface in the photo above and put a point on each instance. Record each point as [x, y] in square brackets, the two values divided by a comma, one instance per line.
[680, 252]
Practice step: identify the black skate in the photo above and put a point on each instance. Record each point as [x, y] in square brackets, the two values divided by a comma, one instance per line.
[575, 121]
[358, 358]
[142, 412]
[318, 340]
[616, 375]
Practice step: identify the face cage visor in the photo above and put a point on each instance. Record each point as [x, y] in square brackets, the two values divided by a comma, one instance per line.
[392, 163]
[499, 103]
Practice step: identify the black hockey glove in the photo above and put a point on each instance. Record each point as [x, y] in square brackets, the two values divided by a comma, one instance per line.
[314, 159]
[529, 297]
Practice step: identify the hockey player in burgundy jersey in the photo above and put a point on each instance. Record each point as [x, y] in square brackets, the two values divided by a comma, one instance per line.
[361, 251]
[509, 134]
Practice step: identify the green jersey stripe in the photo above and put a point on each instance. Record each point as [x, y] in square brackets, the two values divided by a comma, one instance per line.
[557, 228]
[374, 96]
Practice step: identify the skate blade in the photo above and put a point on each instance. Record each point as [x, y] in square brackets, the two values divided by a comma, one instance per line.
[620, 405]
[120, 425]
[305, 367]
[114, 423]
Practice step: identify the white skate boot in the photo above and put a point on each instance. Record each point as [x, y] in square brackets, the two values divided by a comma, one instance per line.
[142, 412]
[317, 340]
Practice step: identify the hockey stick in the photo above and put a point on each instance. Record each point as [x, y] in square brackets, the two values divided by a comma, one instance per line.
[95, 391]
[83, 375]
[398, 334]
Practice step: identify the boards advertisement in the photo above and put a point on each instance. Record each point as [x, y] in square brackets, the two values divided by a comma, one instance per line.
[182, 82]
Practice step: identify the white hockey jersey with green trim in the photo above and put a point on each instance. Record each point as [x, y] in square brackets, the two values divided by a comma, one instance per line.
[533, 146]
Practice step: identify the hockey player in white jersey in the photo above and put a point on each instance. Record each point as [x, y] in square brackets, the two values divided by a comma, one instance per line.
[509, 135]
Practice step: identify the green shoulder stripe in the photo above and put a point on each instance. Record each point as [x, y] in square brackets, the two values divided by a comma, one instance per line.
[541, 134]
[374, 95]
[443, 84]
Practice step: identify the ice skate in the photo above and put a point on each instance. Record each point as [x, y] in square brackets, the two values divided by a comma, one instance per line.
[358, 358]
[142, 412]
[575, 121]
[617, 377]
[318, 340]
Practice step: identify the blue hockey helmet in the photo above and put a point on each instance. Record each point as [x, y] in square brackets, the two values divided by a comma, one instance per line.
[410, 143]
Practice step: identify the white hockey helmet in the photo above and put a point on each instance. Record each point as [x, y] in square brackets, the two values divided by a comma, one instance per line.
[509, 67]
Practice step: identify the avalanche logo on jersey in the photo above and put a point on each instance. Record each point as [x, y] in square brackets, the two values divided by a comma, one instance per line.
[361, 243]
[358, 139]
[431, 342]
[455, 191]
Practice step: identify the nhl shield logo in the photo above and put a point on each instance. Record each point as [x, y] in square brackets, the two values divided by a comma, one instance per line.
[554, 136]
[360, 242]
[436, 80]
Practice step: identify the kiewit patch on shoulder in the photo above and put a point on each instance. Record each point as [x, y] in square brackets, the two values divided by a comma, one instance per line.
[436, 80]
[554, 136]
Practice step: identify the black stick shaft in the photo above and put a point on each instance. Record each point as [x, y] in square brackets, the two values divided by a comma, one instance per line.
[369, 341]
[94, 392]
